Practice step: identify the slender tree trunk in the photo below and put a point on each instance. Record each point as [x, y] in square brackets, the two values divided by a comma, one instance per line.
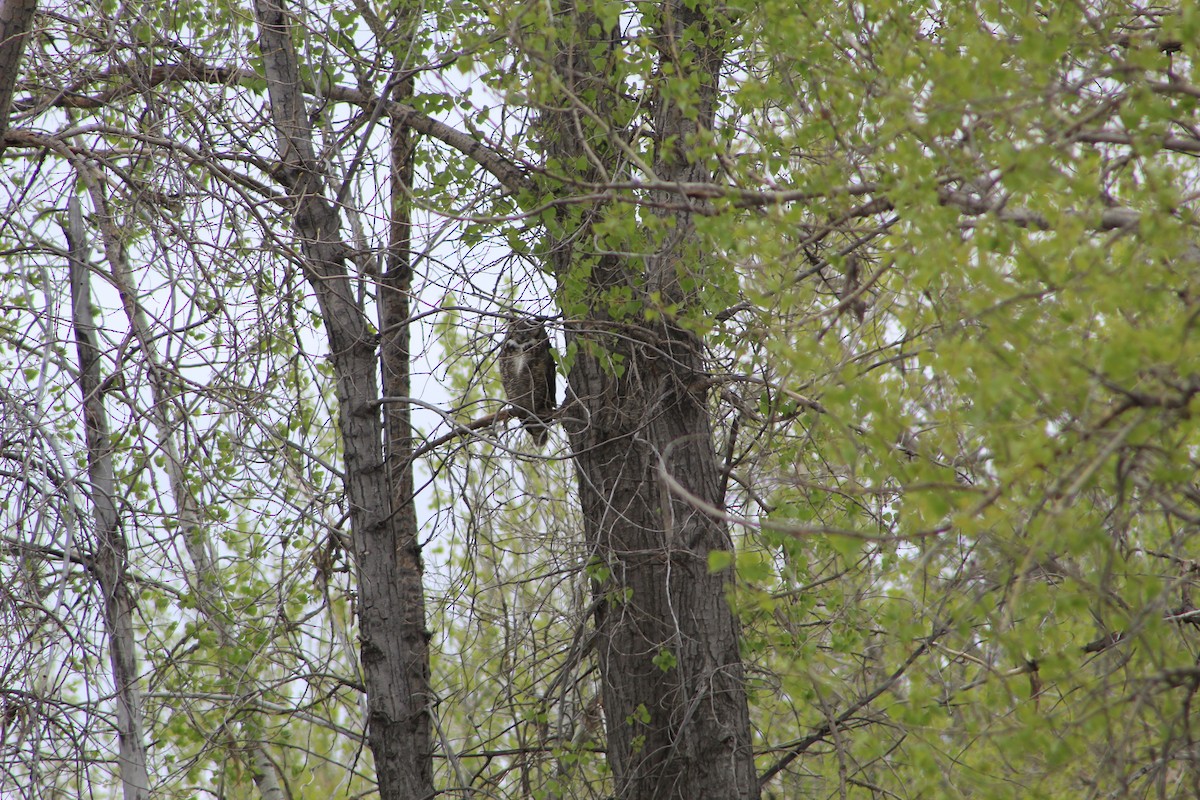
[674, 695]
[173, 446]
[404, 568]
[111, 555]
[394, 639]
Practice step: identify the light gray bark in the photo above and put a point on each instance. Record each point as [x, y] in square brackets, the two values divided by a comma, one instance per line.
[168, 423]
[108, 561]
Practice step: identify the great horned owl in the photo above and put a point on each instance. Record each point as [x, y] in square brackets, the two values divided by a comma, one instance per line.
[527, 373]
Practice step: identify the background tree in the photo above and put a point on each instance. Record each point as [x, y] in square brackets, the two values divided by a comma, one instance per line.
[877, 472]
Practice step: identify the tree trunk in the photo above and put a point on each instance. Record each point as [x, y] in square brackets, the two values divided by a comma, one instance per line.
[404, 568]
[395, 642]
[16, 17]
[173, 445]
[110, 555]
[638, 421]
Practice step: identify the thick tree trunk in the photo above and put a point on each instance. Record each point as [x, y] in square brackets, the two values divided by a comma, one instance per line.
[678, 723]
[395, 642]
[674, 695]
[16, 18]
[111, 555]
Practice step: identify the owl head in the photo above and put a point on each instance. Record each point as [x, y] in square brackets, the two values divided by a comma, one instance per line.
[523, 334]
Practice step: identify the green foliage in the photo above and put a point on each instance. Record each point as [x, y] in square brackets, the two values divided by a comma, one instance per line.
[1006, 433]
[946, 278]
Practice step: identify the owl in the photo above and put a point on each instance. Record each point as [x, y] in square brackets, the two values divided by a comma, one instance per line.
[527, 374]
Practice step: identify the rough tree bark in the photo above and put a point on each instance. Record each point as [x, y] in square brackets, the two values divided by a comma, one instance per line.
[110, 557]
[16, 17]
[638, 421]
[406, 568]
[394, 640]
